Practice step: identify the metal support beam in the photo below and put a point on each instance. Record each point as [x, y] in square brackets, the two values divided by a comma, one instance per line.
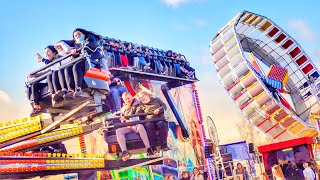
[173, 106]
[65, 117]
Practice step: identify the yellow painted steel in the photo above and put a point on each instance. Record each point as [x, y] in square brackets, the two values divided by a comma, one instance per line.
[265, 26]
[257, 21]
[276, 112]
[245, 76]
[251, 86]
[234, 46]
[285, 118]
[230, 39]
[252, 20]
[233, 57]
[17, 129]
[247, 17]
[297, 128]
[258, 96]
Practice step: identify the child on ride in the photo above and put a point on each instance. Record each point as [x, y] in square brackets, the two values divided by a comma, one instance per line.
[151, 104]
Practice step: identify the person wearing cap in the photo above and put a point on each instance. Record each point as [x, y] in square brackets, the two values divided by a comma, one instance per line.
[51, 55]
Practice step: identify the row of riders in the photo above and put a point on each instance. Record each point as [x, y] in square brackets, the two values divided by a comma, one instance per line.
[66, 83]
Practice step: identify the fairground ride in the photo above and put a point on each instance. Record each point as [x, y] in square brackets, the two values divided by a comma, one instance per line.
[280, 101]
[82, 122]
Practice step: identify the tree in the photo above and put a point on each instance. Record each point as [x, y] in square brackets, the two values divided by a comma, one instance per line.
[251, 134]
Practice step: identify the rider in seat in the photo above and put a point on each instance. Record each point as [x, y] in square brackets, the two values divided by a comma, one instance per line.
[114, 98]
[90, 40]
[34, 90]
[151, 104]
[130, 107]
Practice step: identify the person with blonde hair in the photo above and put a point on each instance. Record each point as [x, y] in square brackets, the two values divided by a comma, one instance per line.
[169, 177]
[129, 108]
[139, 87]
[157, 107]
[277, 172]
[263, 176]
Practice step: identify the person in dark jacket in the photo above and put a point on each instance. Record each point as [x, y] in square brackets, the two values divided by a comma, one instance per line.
[82, 38]
[293, 172]
[151, 104]
[35, 88]
[53, 78]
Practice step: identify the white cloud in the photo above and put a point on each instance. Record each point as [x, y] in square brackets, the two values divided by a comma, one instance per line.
[198, 22]
[303, 29]
[10, 110]
[4, 97]
[176, 3]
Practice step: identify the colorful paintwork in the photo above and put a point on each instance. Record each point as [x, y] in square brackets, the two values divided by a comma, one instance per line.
[184, 154]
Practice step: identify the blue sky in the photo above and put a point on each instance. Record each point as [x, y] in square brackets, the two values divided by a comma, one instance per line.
[185, 26]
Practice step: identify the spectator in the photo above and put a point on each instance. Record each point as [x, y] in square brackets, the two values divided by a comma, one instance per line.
[277, 172]
[314, 167]
[185, 176]
[169, 177]
[196, 175]
[308, 173]
[128, 109]
[283, 164]
[151, 104]
[221, 172]
[263, 176]
[241, 170]
[293, 172]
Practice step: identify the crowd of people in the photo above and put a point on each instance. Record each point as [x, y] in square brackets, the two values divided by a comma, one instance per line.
[143, 58]
[290, 171]
[197, 174]
[65, 81]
